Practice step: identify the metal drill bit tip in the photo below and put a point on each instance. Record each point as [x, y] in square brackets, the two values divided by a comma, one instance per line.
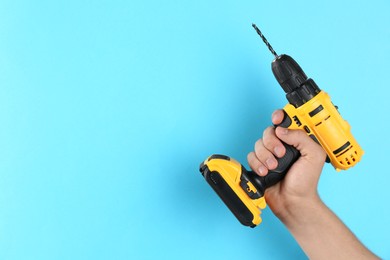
[264, 39]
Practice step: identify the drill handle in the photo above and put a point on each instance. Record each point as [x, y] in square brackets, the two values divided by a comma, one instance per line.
[276, 175]
[284, 163]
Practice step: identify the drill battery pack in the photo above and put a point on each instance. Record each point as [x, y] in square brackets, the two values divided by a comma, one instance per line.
[234, 185]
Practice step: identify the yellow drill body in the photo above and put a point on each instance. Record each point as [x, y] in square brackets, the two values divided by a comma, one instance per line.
[319, 117]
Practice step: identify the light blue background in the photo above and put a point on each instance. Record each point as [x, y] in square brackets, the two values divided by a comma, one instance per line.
[108, 107]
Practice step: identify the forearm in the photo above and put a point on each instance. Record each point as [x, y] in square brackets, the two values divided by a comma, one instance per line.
[321, 234]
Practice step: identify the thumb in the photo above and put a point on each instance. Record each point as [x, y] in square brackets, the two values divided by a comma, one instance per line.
[302, 142]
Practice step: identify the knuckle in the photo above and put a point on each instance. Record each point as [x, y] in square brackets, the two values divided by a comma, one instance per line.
[250, 157]
[277, 115]
[252, 160]
[268, 131]
[270, 141]
[258, 144]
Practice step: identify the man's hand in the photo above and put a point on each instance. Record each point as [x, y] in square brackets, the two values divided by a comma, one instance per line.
[300, 183]
[295, 200]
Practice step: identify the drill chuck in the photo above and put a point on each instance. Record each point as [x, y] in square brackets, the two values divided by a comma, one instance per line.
[298, 87]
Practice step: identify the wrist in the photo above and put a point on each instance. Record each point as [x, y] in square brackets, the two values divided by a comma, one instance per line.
[300, 210]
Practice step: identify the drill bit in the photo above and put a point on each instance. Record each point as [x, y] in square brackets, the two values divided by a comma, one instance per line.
[264, 40]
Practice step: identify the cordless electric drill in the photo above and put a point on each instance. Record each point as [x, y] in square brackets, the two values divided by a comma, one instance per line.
[309, 109]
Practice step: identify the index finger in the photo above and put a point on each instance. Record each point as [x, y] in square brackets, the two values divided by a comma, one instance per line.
[277, 116]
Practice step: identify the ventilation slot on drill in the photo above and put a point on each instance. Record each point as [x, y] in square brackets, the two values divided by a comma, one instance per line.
[297, 121]
[351, 159]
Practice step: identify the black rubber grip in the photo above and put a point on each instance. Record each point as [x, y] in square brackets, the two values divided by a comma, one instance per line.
[276, 175]
[284, 163]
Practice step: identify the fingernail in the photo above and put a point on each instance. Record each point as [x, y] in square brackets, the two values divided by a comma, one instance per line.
[270, 163]
[262, 169]
[278, 151]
